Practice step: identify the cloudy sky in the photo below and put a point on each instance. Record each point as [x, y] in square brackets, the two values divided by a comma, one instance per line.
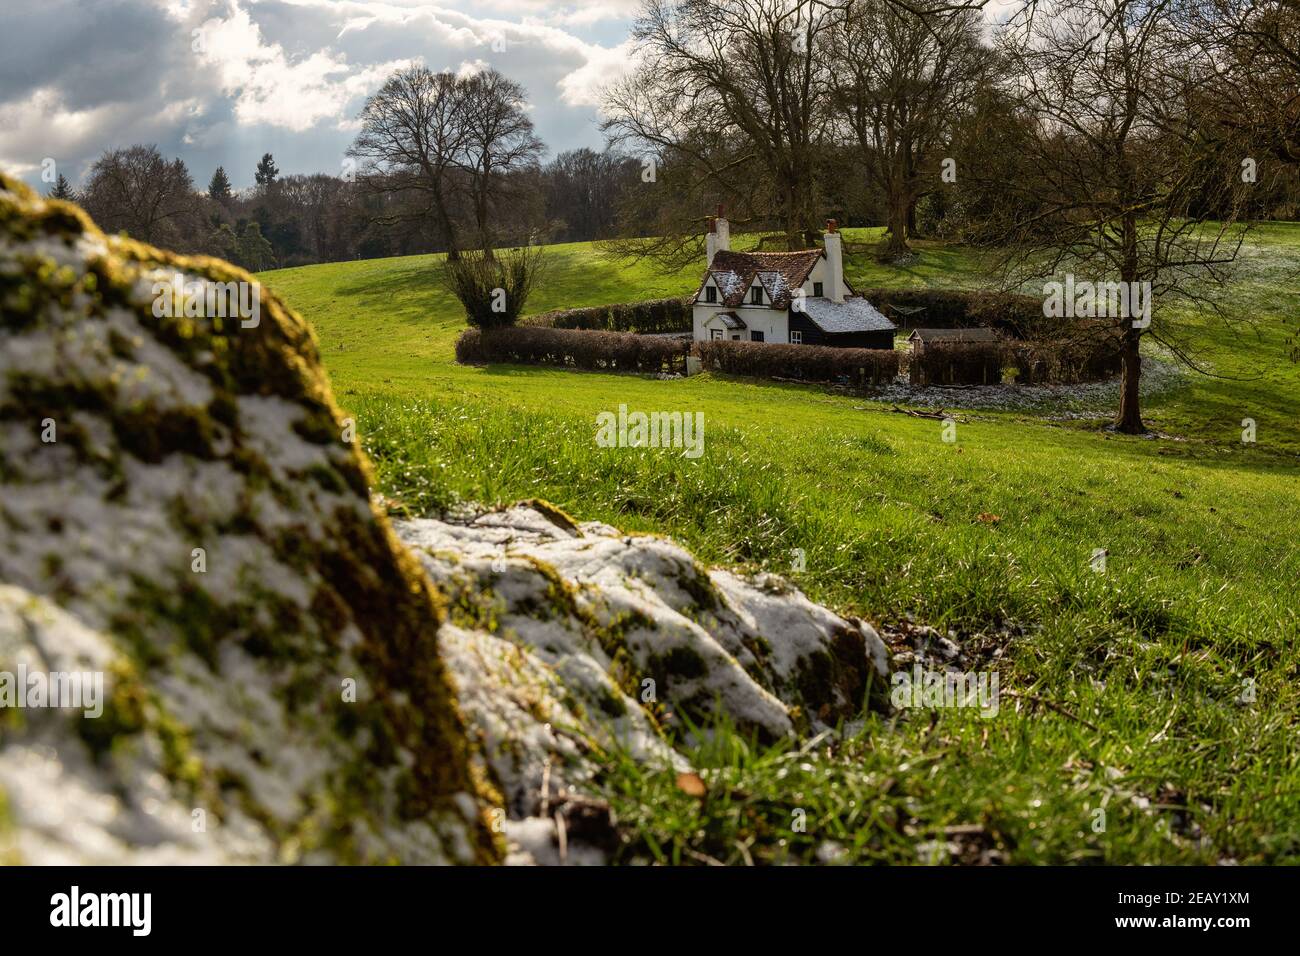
[280, 76]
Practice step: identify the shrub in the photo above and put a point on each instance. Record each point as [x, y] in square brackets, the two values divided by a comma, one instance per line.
[572, 348]
[494, 290]
[654, 315]
[812, 363]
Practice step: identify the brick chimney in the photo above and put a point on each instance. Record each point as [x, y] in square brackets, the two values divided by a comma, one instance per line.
[719, 235]
[834, 262]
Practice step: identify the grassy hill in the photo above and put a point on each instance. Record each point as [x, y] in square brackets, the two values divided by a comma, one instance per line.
[1162, 692]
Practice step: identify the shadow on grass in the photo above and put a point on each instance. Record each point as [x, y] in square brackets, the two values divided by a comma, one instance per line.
[410, 294]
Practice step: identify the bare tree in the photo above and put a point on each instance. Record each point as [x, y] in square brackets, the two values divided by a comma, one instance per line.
[900, 79]
[662, 215]
[583, 192]
[989, 148]
[137, 191]
[1254, 46]
[413, 136]
[1120, 152]
[319, 208]
[724, 87]
[499, 140]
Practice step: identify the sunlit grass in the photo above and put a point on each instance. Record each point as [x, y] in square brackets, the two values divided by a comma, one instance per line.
[1197, 602]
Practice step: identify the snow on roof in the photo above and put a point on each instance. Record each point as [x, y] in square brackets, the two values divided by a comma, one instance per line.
[775, 283]
[735, 272]
[730, 319]
[730, 283]
[854, 314]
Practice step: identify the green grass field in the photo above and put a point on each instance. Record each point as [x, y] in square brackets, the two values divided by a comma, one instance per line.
[1164, 692]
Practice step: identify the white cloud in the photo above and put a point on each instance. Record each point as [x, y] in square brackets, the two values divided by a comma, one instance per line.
[42, 125]
[582, 86]
[271, 88]
[472, 68]
[287, 76]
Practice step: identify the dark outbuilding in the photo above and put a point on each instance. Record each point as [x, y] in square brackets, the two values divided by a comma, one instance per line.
[920, 338]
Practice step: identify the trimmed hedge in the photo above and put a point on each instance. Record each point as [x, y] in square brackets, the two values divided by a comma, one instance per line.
[970, 363]
[812, 363]
[1036, 362]
[1091, 355]
[653, 315]
[1039, 362]
[625, 352]
[572, 348]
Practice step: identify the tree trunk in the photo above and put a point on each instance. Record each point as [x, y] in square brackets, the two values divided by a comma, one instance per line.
[1129, 418]
[447, 227]
[793, 226]
[800, 220]
[896, 242]
[481, 220]
[907, 188]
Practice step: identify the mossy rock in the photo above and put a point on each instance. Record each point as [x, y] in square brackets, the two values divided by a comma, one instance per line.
[181, 485]
[638, 616]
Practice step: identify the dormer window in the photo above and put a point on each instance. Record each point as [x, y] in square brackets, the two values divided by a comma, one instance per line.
[710, 294]
[818, 291]
[756, 295]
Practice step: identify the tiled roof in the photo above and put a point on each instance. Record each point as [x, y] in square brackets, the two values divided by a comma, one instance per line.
[779, 272]
[854, 314]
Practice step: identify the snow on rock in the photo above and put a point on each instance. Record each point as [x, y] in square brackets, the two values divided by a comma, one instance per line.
[181, 514]
[69, 805]
[568, 639]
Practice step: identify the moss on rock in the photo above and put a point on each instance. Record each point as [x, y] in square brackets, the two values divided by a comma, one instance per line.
[188, 440]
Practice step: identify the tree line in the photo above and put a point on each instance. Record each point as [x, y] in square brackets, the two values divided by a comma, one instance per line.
[922, 117]
[442, 163]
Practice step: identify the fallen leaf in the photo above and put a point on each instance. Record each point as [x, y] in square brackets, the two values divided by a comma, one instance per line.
[691, 784]
[987, 518]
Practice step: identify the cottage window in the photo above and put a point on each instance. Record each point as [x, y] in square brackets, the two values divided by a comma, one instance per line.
[756, 295]
[756, 336]
[715, 334]
[710, 294]
[796, 337]
[817, 290]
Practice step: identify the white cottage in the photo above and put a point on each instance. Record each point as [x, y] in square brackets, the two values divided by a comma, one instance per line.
[785, 297]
